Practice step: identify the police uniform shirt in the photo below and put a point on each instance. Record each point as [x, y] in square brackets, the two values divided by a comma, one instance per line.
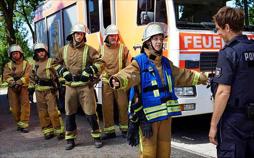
[227, 62]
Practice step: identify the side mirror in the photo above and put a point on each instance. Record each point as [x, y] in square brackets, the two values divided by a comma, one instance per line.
[146, 17]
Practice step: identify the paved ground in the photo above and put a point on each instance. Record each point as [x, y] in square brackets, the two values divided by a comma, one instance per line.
[32, 144]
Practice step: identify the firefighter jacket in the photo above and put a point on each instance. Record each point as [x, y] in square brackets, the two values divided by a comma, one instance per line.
[116, 58]
[165, 77]
[43, 76]
[76, 59]
[17, 72]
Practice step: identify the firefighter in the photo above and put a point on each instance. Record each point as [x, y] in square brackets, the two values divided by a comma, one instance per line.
[232, 123]
[156, 76]
[78, 64]
[16, 74]
[116, 57]
[45, 81]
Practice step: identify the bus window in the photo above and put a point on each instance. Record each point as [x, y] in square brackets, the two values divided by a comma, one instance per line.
[40, 29]
[106, 13]
[147, 14]
[93, 16]
[68, 20]
[161, 11]
[197, 14]
[55, 32]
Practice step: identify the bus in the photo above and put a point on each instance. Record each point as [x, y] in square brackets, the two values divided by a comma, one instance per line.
[191, 42]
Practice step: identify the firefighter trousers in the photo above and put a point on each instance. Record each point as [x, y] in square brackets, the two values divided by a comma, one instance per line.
[49, 115]
[159, 145]
[19, 106]
[83, 95]
[120, 96]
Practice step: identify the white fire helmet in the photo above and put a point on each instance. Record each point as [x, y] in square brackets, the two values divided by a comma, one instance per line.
[77, 28]
[151, 30]
[40, 46]
[111, 30]
[14, 48]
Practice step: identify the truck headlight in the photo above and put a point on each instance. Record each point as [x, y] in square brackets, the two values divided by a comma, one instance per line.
[185, 91]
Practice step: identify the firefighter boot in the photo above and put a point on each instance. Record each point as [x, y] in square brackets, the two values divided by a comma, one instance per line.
[70, 144]
[98, 142]
[48, 136]
[23, 130]
[124, 134]
[109, 136]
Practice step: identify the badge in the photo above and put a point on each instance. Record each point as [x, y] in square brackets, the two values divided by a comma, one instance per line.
[150, 69]
[217, 72]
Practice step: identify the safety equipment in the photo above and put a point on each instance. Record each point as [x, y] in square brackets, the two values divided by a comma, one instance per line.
[88, 73]
[160, 97]
[77, 28]
[14, 48]
[133, 131]
[67, 76]
[111, 30]
[151, 30]
[70, 144]
[40, 46]
[146, 128]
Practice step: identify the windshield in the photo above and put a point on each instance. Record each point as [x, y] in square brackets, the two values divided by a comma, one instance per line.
[197, 14]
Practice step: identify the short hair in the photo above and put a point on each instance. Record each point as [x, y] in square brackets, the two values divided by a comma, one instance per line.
[234, 17]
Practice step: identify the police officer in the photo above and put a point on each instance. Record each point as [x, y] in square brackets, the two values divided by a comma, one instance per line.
[156, 77]
[45, 81]
[116, 57]
[16, 74]
[78, 63]
[232, 124]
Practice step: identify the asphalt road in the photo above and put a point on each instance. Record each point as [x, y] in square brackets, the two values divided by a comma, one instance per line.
[32, 144]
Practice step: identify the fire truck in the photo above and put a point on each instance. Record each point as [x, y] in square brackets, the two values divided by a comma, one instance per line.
[191, 41]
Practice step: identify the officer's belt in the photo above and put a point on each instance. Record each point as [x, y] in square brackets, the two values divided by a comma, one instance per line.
[76, 78]
[155, 87]
[45, 83]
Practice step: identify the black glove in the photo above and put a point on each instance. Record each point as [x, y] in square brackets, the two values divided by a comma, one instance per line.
[67, 76]
[85, 76]
[91, 69]
[133, 134]
[147, 129]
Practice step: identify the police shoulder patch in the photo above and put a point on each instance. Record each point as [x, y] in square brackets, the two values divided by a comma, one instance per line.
[218, 72]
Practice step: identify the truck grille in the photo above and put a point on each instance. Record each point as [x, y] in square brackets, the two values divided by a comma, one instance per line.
[208, 61]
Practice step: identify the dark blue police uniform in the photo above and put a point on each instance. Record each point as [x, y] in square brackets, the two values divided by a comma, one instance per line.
[235, 67]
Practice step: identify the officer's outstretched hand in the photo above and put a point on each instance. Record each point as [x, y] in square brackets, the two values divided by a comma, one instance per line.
[114, 82]
[147, 129]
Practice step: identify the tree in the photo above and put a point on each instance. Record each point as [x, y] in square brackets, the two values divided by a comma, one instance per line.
[7, 7]
[25, 10]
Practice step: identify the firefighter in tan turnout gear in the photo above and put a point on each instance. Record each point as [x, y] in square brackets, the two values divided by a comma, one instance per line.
[116, 57]
[155, 76]
[77, 63]
[16, 74]
[44, 80]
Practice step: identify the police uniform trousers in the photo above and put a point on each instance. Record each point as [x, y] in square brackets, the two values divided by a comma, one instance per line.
[235, 136]
[120, 96]
[159, 145]
[84, 96]
[49, 115]
[19, 105]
